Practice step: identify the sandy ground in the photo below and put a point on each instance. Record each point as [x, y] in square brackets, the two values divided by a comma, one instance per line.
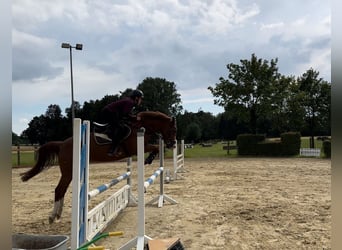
[238, 203]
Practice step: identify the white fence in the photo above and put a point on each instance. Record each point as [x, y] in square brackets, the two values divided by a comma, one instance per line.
[310, 152]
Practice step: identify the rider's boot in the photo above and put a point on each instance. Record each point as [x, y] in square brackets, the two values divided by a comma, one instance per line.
[116, 139]
[113, 150]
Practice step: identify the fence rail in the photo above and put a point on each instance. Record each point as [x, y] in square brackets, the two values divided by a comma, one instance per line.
[310, 152]
[21, 150]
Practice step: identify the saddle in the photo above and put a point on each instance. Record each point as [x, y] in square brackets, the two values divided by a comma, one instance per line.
[102, 132]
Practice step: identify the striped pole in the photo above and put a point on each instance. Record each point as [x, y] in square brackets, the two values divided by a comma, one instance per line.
[104, 187]
[152, 178]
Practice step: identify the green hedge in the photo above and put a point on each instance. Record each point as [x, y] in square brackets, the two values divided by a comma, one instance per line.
[327, 148]
[249, 144]
[291, 143]
[246, 143]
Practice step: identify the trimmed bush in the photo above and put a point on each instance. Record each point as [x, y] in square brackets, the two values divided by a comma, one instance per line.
[327, 148]
[247, 143]
[269, 148]
[290, 143]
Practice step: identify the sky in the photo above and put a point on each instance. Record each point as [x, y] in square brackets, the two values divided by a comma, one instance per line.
[188, 42]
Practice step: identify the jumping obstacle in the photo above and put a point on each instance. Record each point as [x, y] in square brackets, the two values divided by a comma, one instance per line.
[159, 172]
[141, 240]
[178, 161]
[124, 176]
[86, 225]
[105, 212]
[104, 187]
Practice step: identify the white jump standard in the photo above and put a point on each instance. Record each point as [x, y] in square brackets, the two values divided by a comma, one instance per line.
[141, 240]
[86, 225]
[178, 161]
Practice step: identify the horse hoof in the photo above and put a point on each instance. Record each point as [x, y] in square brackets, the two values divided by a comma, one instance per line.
[149, 160]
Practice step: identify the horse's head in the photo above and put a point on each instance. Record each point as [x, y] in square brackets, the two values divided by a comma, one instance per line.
[170, 133]
[157, 122]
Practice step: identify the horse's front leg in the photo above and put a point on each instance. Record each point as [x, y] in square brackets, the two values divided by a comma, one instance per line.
[154, 150]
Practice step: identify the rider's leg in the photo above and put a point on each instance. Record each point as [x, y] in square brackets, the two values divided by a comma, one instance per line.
[114, 132]
[117, 136]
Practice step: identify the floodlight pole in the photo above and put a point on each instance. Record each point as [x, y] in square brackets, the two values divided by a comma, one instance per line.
[78, 47]
[72, 90]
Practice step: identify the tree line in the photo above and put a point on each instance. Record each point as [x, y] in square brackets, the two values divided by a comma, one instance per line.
[256, 99]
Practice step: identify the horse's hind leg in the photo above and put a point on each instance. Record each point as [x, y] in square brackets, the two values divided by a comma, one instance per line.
[57, 210]
[59, 198]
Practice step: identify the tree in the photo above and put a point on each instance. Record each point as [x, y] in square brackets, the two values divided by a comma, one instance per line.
[183, 121]
[208, 125]
[229, 127]
[193, 132]
[48, 127]
[248, 93]
[324, 109]
[275, 120]
[36, 131]
[15, 139]
[294, 113]
[315, 97]
[55, 124]
[77, 109]
[160, 95]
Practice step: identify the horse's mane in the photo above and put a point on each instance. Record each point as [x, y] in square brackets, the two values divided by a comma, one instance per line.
[153, 115]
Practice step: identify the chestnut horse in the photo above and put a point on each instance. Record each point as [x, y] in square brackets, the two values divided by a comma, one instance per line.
[153, 122]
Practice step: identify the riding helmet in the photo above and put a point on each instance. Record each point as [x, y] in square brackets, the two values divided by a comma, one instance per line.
[137, 93]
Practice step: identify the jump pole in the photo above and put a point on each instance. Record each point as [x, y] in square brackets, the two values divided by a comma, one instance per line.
[125, 176]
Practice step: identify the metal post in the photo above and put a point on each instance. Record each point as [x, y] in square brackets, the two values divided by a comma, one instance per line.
[72, 90]
[18, 155]
[78, 46]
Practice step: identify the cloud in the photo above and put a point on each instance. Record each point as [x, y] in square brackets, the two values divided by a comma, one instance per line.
[30, 13]
[271, 26]
[186, 42]
[32, 57]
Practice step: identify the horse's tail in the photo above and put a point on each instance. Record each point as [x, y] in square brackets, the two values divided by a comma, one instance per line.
[47, 157]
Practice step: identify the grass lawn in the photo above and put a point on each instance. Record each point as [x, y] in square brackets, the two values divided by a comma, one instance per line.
[26, 158]
[198, 151]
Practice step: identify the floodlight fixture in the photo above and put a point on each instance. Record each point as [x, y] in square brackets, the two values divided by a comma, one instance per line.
[66, 45]
[79, 46]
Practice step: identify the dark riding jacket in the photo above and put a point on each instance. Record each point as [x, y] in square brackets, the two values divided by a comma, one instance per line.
[117, 112]
[122, 107]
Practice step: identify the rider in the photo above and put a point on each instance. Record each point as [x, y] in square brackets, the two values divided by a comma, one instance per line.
[116, 112]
